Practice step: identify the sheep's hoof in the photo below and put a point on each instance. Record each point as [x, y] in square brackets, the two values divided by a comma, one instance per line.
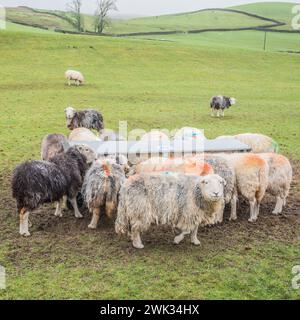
[91, 226]
[25, 234]
[78, 216]
[275, 212]
[59, 215]
[252, 220]
[196, 242]
[138, 245]
[232, 218]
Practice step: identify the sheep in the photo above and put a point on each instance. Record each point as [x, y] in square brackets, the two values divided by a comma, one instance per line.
[259, 143]
[280, 178]
[155, 135]
[251, 172]
[187, 166]
[37, 182]
[220, 103]
[88, 152]
[119, 159]
[52, 145]
[101, 188]
[187, 133]
[83, 135]
[72, 75]
[181, 201]
[89, 118]
[110, 135]
[224, 169]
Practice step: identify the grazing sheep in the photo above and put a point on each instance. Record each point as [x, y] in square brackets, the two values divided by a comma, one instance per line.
[83, 135]
[280, 178]
[251, 172]
[89, 118]
[187, 166]
[52, 145]
[37, 182]
[187, 133]
[155, 135]
[110, 135]
[224, 169]
[219, 104]
[181, 201]
[259, 143]
[101, 188]
[72, 75]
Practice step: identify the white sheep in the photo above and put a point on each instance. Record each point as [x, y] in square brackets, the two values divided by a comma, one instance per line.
[187, 133]
[155, 135]
[181, 201]
[280, 178]
[252, 173]
[259, 143]
[73, 75]
[83, 135]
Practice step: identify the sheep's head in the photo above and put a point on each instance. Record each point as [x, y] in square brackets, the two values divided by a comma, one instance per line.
[232, 101]
[87, 152]
[212, 187]
[70, 113]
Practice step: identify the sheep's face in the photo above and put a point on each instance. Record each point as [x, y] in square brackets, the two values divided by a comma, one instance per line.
[212, 187]
[232, 101]
[87, 152]
[70, 113]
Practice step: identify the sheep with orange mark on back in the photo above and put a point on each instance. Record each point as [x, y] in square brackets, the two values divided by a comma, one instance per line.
[280, 178]
[186, 166]
[101, 188]
[252, 172]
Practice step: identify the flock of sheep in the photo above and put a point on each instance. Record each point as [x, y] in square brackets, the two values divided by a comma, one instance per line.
[184, 193]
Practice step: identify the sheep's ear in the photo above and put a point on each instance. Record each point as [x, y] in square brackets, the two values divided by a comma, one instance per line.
[224, 182]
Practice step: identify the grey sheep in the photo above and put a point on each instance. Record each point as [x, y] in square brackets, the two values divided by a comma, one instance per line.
[181, 201]
[52, 145]
[89, 118]
[219, 104]
[101, 188]
[37, 182]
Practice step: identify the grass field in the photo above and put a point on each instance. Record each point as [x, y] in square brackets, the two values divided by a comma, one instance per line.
[151, 84]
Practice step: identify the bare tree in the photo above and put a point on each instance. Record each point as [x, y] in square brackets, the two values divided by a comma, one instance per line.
[101, 15]
[75, 8]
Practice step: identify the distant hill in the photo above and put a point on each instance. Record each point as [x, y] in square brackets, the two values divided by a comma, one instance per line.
[281, 11]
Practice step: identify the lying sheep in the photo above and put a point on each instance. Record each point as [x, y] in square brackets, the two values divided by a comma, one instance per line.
[101, 188]
[37, 182]
[224, 169]
[52, 145]
[83, 135]
[181, 201]
[251, 172]
[258, 143]
[72, 75]
[187, 166]
[280, 178]
[89, 118]
[219, 104]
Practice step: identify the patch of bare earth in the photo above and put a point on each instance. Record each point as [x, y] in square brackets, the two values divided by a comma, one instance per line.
[67, 234]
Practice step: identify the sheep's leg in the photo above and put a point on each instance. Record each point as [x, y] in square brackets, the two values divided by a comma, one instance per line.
[24, 223]
[218, 113]
[223, 113]
[194, 238]
[212, 112]
[233, 204]
[69, 82]
[257, 210]
[95, 219]
[58, 212]
[181, 236]
[110, 209]
[220, 214]
[279, 205]
[252, 211]
[75, 207]
[136, 240]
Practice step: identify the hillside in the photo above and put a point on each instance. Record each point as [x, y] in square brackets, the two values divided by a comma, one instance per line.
[204, 19]
[281, 11]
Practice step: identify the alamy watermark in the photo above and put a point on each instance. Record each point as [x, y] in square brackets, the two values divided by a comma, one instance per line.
[2, 17]
[2, 278]
[296, 279]
[296, 18]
